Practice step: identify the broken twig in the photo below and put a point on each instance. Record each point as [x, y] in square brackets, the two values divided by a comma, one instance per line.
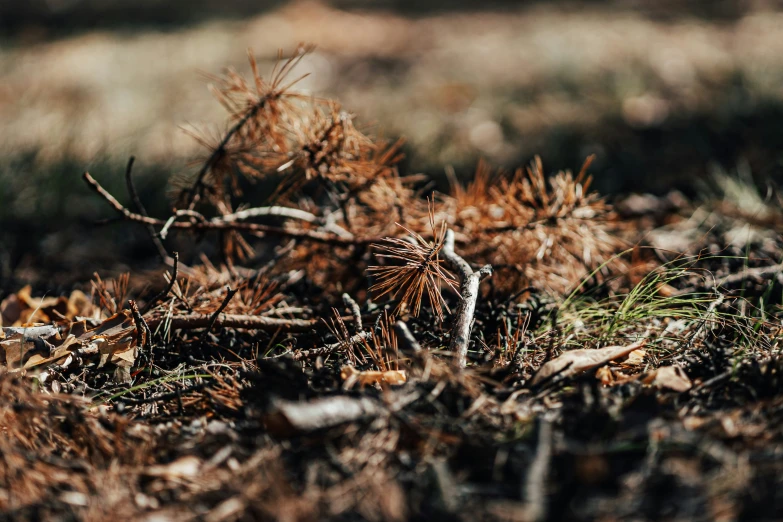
[218, 223]
[229, 294]
[330, 348]
[152, 302]
[469, 289]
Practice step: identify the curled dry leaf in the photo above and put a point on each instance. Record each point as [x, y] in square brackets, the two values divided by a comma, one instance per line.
[669, 377]
[577, 361]
[635, 358]
[22, 308]
[604, 375]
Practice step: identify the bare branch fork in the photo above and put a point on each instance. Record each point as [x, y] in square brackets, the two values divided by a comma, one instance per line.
[343, 238]
[469, 291]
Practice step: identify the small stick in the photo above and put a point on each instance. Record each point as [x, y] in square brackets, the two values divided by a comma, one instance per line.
[245, 322]
[276, 211]
[356, 312]
[219, 224]
[141, 210]
[229, 294]
[152, 302]
[178, 214]
[330, 348]
[534, 489]
[143, 333]
[406, 337]
[469, 290]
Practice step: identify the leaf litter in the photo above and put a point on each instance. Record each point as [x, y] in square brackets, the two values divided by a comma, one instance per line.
[298, 374]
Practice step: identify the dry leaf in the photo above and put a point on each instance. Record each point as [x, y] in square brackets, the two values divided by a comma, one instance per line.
[577, 361]
[21, 308]
[669, 377]
[351, 376]
[39, 345]
[604, 374]
[635, 358]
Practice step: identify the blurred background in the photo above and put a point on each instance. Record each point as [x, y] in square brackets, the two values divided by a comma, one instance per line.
[662, 92]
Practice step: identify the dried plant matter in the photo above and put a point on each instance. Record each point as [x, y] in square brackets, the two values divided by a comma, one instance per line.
[574, 362]
[469, 293]
[420, 272]
[231, 388]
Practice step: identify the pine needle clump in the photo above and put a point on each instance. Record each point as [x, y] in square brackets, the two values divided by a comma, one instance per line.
[418, 270]
[543, 232]
[334, 181]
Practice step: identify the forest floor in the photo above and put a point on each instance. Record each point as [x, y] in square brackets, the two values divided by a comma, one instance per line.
[304, 325]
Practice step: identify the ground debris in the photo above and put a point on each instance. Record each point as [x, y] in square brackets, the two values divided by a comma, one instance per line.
[321, 362]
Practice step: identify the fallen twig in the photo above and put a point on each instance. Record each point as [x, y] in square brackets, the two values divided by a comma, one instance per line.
[330, 348]
[288, 418]
[152, 302]
[247, 322]
[219, 224]
[229, 294]
[406, 338]
[469, 289]
[141, 210]
[534, 488]
[143, 334]
[729, 280]
[353, 306]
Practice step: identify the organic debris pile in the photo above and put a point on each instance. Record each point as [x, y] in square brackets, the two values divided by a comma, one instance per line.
[365, 347]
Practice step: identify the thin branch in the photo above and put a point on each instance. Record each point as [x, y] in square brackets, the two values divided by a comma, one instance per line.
[758, 273]
[406, 338]
[277, 211]
[469, 291]
[143, 333]
[328, 224]
[353, 306]
[229, 294]
[534, 489]
[246, 322]
[219, 224]
[152, 302]
[331, 348]
[139, 206]
[178, 214]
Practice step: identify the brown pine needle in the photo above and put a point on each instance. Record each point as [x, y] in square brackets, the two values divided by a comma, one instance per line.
[420, 272]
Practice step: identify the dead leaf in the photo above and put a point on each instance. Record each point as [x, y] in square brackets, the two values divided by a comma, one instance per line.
[577, 361]
[635, 358]
[352, 376]
[669, 377]
[21, 308]
[35, 346]
[604, 374]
